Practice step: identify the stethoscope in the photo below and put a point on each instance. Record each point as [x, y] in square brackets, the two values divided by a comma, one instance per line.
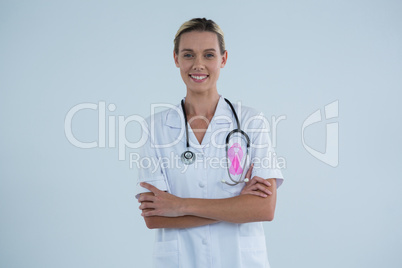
[188, 157]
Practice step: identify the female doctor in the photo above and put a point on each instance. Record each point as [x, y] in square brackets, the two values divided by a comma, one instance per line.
[202, 218]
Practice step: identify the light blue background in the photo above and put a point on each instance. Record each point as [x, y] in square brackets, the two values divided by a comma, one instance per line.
[61, 206]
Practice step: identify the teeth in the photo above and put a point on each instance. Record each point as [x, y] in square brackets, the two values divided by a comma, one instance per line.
[198, 77]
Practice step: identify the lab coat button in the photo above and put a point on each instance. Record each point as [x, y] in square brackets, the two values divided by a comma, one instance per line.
[204, 241]
[201, 184]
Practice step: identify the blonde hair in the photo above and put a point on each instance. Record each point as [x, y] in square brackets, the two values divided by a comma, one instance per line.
[201, 25]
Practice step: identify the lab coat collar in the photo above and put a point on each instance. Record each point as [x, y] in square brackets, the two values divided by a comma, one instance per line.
[175, 118]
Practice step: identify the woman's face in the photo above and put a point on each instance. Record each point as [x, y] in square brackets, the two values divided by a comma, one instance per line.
[200, 60]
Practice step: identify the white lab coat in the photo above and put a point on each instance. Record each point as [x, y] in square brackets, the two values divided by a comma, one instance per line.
[221, 244]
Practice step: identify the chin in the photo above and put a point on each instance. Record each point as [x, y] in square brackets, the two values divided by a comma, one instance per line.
[199, 90]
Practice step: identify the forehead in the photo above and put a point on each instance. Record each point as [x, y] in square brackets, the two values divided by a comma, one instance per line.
[198, 41]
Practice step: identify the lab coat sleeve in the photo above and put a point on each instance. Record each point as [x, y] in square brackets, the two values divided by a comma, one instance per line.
[150, 167]
[263, 155]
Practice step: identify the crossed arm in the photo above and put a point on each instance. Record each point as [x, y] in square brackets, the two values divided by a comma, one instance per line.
[256, 202]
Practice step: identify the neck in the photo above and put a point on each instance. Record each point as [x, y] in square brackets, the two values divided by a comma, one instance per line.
[201, 104]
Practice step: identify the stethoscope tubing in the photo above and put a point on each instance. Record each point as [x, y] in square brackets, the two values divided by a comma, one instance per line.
[188, 157]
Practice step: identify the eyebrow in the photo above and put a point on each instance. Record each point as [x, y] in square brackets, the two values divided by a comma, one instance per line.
[189, 49]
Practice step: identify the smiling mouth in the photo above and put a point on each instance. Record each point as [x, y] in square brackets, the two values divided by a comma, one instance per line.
[198, 77]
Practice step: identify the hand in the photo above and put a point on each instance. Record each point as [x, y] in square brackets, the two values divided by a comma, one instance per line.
[161, 203]
[256, 186]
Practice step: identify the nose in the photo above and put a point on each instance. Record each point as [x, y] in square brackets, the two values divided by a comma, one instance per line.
[198, 64]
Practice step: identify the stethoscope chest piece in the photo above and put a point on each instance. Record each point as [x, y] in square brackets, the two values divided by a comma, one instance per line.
[188, 157]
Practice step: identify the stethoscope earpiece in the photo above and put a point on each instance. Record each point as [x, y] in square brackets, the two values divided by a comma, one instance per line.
[235, 182]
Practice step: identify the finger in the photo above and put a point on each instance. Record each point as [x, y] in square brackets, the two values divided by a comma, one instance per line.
[252, 181]
[150, 187]
[145, 205]
[261, 180]
[146, 214]
[149, 213]
[263, 188]
[259, 187]
[257, 193]
[146, 197]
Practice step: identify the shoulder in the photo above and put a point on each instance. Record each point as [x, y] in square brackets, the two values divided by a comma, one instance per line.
[162, 127]
[250, 117]
[170, 115]
[247, 111]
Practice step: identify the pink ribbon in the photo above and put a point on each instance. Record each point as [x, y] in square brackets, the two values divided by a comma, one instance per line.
[235, 154]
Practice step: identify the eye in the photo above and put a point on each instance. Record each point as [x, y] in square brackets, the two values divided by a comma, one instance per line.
[209, 55]
[187, 55]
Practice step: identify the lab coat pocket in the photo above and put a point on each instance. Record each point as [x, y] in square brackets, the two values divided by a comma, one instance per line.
[166, 254]
[233, 190]
[253, 251]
